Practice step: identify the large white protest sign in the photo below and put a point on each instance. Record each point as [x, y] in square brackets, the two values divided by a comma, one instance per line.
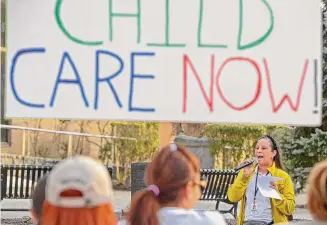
[235, 61]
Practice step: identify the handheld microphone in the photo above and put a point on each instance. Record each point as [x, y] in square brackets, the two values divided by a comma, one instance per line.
[245, 164]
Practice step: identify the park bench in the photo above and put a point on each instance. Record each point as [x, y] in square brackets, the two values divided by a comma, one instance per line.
[19, 181]
[218, 182]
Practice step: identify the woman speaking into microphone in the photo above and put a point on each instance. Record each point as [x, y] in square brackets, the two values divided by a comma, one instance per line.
[255, 208]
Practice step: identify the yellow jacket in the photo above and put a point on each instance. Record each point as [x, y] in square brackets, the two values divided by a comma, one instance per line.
[280, 208]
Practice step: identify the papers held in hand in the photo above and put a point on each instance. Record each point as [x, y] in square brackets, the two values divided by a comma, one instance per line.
[263, 185]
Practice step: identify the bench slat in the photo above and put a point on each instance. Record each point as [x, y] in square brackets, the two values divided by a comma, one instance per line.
[11, 177]
[16, 172]
[22, 175]
[27, 187]
[211, 185]
[224, 186]
[220, 185]
[217, 180]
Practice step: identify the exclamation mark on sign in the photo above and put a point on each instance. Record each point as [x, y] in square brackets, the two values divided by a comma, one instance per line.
[315, 83]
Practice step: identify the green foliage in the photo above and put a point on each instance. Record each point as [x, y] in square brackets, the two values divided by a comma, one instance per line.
[234, 141]
[301, 154]
[123, 152]
[147, 135]
[105, 153]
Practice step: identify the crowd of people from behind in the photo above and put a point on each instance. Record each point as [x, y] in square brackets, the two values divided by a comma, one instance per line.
[78, 191]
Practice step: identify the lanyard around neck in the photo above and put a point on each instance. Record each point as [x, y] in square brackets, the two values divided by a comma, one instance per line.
[256, 184]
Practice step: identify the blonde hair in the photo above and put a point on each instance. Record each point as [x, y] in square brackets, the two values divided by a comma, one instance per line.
[317, 191]
[100, 215]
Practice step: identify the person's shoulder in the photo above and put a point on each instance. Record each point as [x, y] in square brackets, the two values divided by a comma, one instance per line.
[211, 218]
[180, 216]
[282, 173]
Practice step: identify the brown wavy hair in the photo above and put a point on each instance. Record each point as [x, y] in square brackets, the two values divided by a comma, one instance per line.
[317, 191]
[169, 171]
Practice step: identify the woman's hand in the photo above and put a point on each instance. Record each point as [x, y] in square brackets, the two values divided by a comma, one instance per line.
[249, 169]
[273, 186]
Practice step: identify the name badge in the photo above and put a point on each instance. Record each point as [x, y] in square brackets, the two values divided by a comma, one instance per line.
[254, 210]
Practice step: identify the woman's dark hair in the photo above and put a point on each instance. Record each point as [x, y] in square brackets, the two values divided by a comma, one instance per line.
[277, 158]
[170, 170]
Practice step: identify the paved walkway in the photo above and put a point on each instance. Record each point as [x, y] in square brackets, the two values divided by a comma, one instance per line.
[122, 200]
[301, 200]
